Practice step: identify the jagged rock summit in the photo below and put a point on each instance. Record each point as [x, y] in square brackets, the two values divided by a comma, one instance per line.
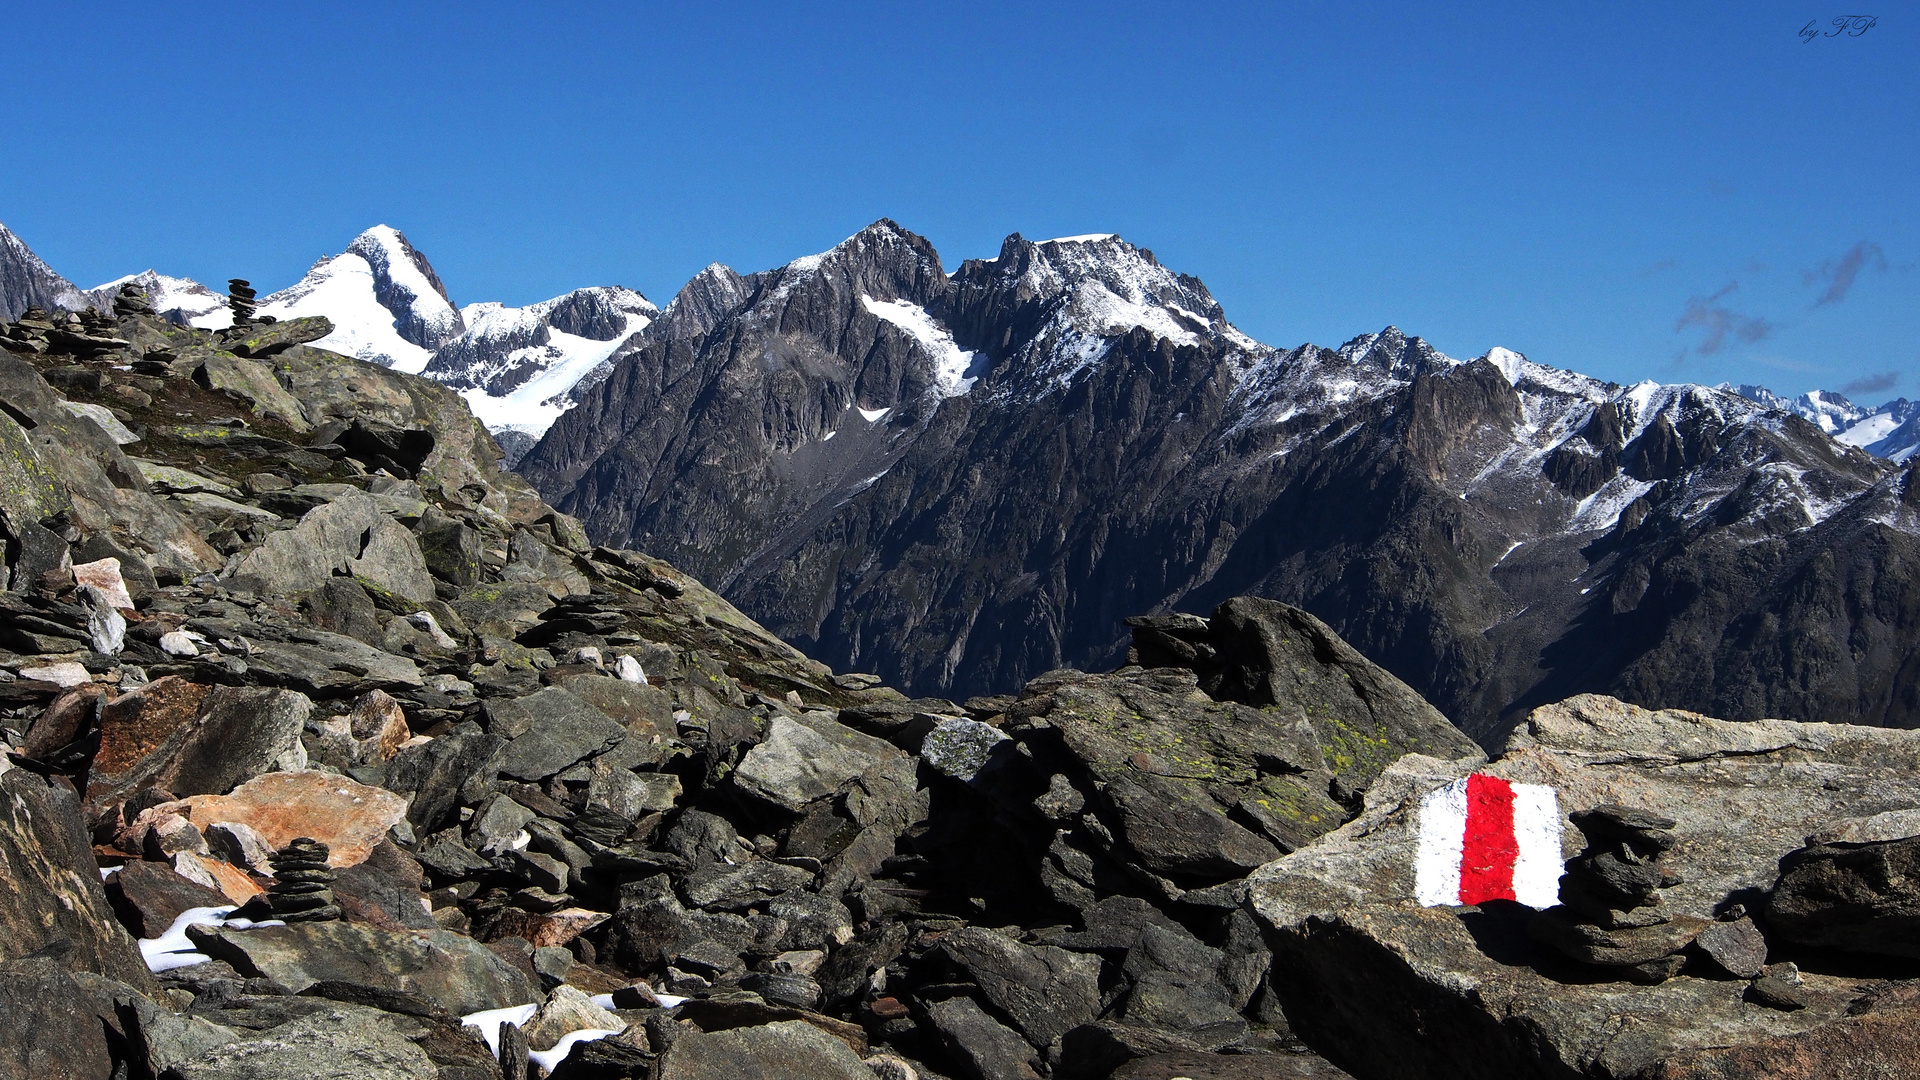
[26, 281]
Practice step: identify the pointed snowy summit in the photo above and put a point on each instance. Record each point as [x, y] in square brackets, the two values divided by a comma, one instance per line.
[387, 305]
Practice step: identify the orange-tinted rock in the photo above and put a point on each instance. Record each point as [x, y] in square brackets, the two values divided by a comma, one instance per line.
[196, 741]
[238, 886]
[349, 817]
[552, 928]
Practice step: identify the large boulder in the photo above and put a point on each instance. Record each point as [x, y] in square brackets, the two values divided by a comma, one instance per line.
[253, 383]
[350, 535]
[1045, 991]
[1196, 791]
[555, 730]
[1276, 657]
[194, 740]
[1861, 896]
[335, 1041]
[457, 972]
[1367, 975]
[785, 1050]
[349, 817]
[808, 757]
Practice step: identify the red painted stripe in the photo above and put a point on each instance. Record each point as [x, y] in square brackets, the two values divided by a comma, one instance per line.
[1489, 850]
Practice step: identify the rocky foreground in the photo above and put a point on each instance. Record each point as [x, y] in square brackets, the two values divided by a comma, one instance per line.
[333, 751]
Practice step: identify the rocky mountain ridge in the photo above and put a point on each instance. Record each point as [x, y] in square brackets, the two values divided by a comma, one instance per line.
[26, 281]
[388, 306]
[960, 482]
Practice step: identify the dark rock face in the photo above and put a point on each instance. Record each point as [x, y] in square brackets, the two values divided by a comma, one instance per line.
[27, 282]
[52, 1025]
[1279, 658]
[1497, 534]
[1858, 897]
[54, 905]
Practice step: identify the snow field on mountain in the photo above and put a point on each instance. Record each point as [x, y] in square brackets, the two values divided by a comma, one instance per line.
[533, 406]
[343, 289]
[951, 363]
[202, 307]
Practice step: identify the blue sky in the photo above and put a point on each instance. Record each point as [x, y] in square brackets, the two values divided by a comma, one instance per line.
[1623, 190]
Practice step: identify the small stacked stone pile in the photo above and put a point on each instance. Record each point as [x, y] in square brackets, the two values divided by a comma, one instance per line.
[302, 890]
[1611, 913]
[131, 301]
[29, 334]
[157, 360]
[240, 300]
[97, 324]
[86, 335]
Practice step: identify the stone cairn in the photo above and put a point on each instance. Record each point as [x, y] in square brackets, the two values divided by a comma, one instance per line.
[95, 324]
[302, 888]
[240, 298]
[131, 301]
[1611, 913]
[29, 334]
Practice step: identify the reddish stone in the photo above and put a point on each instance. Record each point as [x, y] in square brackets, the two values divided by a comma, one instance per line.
[888, 1008]
[236, 884]
[104, 574]
[133, 725]
[349, 817]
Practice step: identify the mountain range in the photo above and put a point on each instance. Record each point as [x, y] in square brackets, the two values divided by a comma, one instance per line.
[961, 481]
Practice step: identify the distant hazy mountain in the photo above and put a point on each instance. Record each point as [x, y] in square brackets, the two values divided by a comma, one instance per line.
[1888, 431]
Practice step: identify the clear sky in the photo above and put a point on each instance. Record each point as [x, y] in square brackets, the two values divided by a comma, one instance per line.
[1680, 192]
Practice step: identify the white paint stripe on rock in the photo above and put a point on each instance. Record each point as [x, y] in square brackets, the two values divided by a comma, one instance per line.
[1536, 828]
[1443, 831]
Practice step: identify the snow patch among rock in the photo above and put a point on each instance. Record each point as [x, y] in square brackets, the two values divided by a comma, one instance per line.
[954, 368]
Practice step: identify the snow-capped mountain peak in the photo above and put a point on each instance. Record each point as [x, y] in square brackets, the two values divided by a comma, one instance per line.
[1830, 412]
[387, 305]
[515, 366]
[1071, 298]
[180, 300]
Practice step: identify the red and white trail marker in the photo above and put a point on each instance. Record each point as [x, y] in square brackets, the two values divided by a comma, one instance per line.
[1483, 838]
